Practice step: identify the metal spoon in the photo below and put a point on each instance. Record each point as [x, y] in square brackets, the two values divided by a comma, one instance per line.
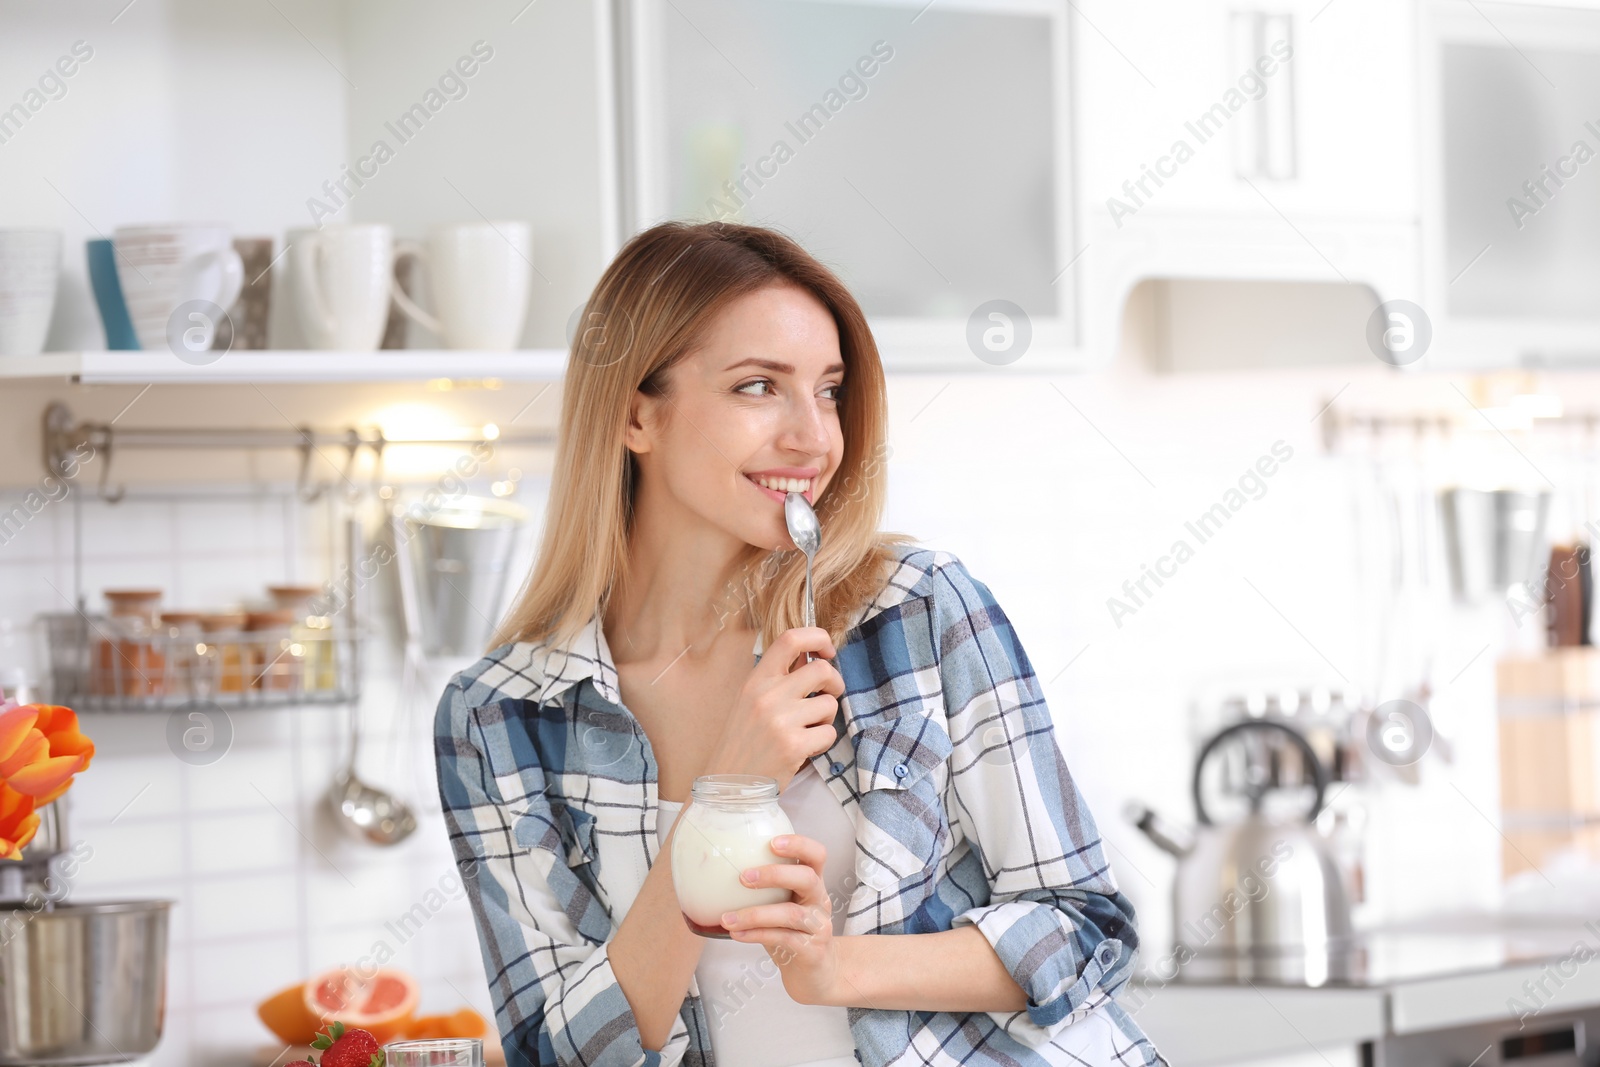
[360, 809]
[806, 533]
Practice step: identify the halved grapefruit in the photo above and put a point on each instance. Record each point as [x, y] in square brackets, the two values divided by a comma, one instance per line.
[380, 1002]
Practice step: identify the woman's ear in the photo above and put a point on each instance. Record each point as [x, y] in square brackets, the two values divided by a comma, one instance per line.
[642, 422]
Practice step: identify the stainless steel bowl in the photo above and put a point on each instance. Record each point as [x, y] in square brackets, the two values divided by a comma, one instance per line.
[82, 983]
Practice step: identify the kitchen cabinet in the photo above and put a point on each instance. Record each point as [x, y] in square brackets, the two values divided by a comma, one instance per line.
[1307, 108]
[1247, 144]
[1511, 105]
[922, 150]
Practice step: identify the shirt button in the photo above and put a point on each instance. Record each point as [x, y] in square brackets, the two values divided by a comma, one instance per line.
[1107, 954]
[900, 770]
[858, 1055]
[836, 767]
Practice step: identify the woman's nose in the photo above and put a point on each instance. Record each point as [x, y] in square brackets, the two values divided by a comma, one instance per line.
[806, 428]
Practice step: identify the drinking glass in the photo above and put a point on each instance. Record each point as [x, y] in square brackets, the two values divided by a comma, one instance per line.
[437, 1052]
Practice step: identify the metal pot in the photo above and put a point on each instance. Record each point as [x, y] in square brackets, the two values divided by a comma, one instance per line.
[82, 983]
[453, 576]
[1258, 897]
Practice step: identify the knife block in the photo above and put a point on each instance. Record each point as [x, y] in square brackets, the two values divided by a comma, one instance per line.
[1549, 719]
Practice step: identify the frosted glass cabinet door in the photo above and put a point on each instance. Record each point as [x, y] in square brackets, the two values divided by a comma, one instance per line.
[918, 149]
[1521, 170]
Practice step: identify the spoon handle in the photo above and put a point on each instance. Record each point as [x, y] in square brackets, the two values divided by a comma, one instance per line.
[811, 605]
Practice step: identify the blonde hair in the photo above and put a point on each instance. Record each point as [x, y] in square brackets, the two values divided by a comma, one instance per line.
[648, 311]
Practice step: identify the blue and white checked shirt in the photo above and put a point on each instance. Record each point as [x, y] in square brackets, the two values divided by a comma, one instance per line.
[946, 762]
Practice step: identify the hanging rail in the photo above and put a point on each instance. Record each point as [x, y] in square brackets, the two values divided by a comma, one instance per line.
[1337, 424]
[64, 436]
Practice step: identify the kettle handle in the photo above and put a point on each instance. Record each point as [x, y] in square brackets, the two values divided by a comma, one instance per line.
[1318, 773]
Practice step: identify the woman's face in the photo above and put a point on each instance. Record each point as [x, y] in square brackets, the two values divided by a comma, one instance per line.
[749, 415]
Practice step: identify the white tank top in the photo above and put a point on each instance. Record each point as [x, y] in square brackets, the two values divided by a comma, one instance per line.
[753, 1020]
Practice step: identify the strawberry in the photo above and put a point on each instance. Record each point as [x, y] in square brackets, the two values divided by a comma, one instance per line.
[348, 1048]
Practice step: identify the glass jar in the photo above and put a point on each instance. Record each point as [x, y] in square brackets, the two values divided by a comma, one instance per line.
[128, 655]
[313, 633]
[184, 645]
[224, 653]
[726, 828]
[275, 660]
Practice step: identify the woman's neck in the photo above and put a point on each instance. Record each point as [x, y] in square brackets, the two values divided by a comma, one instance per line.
[680, 589]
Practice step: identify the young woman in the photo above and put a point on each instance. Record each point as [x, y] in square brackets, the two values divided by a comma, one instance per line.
[952, 904]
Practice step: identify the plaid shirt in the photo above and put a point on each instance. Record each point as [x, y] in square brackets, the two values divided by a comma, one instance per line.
[946, 762]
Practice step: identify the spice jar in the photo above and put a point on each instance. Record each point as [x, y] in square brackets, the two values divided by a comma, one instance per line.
[274, 660]
[128, 656]
[224, 668]
[726, 828]
[312, 632]
[182, 641]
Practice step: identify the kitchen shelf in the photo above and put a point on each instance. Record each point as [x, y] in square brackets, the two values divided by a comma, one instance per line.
[291, 367]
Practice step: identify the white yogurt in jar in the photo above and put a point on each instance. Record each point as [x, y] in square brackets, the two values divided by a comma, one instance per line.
[726, 829]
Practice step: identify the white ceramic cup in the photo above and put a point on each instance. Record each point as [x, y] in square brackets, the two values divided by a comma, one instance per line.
[478, 274]
[166, 265]
[30, 265]
[341, 277]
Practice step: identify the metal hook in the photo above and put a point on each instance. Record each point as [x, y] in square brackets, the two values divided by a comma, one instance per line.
[352, 445]
[102, 439]
[308, 493]
[377, 444]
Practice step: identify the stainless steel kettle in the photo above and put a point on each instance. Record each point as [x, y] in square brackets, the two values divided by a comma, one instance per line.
[1259, 897]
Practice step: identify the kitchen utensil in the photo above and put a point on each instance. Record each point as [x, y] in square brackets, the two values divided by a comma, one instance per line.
[458, 554]
[82, 983]
[478, 274]
[340, 280]
[108, 296]
[806, 533]
[1469, 525]
[1494, 539]
[30, 264]
[436, 1052]
[163, 266]
[362, 810]
[1259, 897]
[1564, 621]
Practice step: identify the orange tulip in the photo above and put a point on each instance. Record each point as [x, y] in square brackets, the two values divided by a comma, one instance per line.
[16, 727]
[60, 728]
[18, 822]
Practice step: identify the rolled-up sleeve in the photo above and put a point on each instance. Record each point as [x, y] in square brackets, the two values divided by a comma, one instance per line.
[1054, 916]
[556, 997]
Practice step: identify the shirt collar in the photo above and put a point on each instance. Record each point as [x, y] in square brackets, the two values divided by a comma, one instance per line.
[587, 655]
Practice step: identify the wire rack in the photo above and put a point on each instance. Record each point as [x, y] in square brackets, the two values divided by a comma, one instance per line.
[99, 663]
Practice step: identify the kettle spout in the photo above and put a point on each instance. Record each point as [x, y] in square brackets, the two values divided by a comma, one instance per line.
[1165, 835]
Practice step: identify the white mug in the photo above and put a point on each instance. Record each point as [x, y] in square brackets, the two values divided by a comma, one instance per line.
[30, 265]
[163, 266]
[340, 277]
[478, 274]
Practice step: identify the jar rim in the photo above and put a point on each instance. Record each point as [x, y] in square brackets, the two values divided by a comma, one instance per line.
[733, 788]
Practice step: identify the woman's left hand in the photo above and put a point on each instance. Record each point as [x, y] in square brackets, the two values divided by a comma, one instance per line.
[798, 935]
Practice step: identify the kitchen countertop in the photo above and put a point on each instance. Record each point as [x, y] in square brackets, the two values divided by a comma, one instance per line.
[1445, 972]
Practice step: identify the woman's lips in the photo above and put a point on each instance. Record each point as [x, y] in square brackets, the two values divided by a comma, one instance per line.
[779, 494]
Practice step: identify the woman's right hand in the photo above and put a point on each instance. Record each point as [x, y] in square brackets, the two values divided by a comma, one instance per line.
[775, 726]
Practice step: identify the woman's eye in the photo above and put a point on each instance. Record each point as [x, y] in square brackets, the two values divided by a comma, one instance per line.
[747, 387]
[833, 392]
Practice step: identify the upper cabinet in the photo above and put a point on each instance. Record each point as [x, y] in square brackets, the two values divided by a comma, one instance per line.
[1512, 103]
[1226, 141]
[922, 149]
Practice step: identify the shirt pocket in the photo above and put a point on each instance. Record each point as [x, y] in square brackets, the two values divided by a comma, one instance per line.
[565, 831]
[900, 772]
